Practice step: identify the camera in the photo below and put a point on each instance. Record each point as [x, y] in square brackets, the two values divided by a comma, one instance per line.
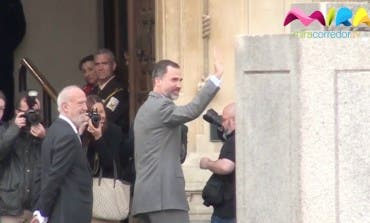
[95, 118]
[32, 116]
[217, 130]
[213, 118]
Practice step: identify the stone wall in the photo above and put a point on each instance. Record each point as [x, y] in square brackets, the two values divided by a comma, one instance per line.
[58, 35]
[302, 143]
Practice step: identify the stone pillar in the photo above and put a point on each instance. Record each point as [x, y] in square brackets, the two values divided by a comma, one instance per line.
[303, 129]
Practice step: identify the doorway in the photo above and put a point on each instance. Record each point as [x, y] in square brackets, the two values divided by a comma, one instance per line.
[129, 33]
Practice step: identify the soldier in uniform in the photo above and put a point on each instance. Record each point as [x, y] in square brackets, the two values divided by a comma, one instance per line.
[114, 95]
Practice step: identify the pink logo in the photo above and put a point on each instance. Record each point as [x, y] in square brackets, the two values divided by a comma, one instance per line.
[342, 16]
[296, 13]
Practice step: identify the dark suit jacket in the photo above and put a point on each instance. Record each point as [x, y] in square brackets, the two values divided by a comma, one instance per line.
[116, 100]
[66, 194]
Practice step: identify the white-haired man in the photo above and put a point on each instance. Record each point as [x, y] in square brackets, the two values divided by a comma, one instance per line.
[66, 194]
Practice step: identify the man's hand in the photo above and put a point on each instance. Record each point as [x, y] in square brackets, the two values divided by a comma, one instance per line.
[20, 120]
[38, 131]
[218, 66]
[35, 220]
[221, 166]
[84, 123]
[96, 132]
[203, 164]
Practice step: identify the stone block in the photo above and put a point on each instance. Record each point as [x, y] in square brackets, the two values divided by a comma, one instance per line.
[302, 129]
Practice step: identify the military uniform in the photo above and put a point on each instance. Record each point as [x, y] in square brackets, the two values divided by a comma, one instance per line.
[116, 100]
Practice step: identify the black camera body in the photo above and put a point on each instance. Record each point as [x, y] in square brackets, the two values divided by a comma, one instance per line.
[32, 116]
[212, 117]
[95, 118]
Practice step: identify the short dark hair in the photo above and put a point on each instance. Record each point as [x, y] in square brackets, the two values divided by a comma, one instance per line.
[160, 68]
[107, 52]
[84, 60]
[21, 95]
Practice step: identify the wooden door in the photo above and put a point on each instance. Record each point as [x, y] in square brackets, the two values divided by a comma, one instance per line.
[141, 54]
[129, 33]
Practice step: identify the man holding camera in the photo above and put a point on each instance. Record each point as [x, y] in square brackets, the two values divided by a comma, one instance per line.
[20, 151]
[224, 169]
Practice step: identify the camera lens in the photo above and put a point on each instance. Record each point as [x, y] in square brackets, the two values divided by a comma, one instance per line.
[33, 117]
[95, 118]
[212, 117]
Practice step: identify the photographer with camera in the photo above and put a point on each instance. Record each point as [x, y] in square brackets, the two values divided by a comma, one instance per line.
[20, 151]
[221, 195]
[215, 119]
[103, 140]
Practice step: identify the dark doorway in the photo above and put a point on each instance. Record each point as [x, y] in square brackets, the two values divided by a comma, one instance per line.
[129, 33]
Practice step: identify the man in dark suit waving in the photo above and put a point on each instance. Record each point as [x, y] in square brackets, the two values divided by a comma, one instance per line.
[65, 194]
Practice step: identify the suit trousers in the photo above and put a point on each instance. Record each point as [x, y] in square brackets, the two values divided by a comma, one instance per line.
[24, 218]
[165, 216]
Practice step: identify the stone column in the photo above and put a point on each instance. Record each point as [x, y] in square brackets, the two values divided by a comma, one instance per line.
[303, 129]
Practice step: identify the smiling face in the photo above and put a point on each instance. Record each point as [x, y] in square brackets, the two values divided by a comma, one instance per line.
[169, 85]
[74, 107]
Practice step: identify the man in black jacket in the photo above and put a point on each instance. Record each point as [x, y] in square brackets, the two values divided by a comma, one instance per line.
[115, 96]
[224, 168]
[20, 151]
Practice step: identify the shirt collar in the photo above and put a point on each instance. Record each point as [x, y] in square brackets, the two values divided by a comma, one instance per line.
[158, 95]
[101, 87]
[65, 118]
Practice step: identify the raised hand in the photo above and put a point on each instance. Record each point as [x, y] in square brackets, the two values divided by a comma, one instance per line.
[218, 65]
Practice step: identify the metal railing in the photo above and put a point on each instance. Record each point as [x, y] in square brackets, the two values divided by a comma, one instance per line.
[48, 92]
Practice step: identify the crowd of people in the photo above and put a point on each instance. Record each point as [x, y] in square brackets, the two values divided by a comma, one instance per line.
[46, 172]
